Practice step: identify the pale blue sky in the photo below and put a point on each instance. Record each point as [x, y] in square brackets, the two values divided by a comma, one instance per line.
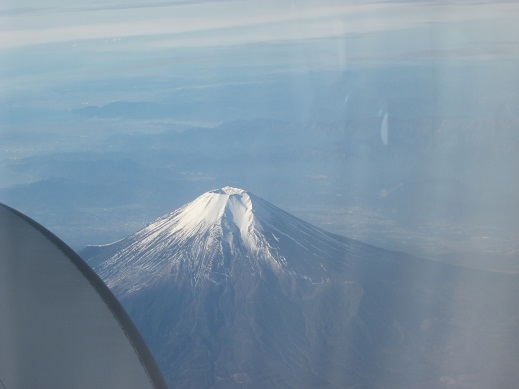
[31, 23]
[47, 44]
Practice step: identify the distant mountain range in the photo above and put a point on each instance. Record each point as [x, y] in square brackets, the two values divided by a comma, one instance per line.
[230, 291]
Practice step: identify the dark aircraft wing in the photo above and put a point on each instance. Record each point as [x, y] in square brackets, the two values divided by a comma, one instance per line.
[60, 326]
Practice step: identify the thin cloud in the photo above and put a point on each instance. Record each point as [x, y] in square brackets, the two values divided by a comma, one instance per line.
[16, 11]
[130, 6]
[196, 18]
[254, 22]
[25, 11]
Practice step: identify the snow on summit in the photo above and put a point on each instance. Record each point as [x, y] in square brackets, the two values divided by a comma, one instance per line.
[232, 204]
[209, 239]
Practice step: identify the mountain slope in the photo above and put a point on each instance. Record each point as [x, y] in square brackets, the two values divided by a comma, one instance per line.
[230, 291]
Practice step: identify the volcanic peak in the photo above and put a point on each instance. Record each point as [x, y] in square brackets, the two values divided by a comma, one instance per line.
[229, 206]
[209, 235]
[228, 190]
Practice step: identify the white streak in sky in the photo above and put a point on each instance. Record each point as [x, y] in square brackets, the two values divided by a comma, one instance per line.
[384, 130]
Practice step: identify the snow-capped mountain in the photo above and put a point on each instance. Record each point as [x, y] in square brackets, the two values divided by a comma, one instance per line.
[208, 239]
[231, 291]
